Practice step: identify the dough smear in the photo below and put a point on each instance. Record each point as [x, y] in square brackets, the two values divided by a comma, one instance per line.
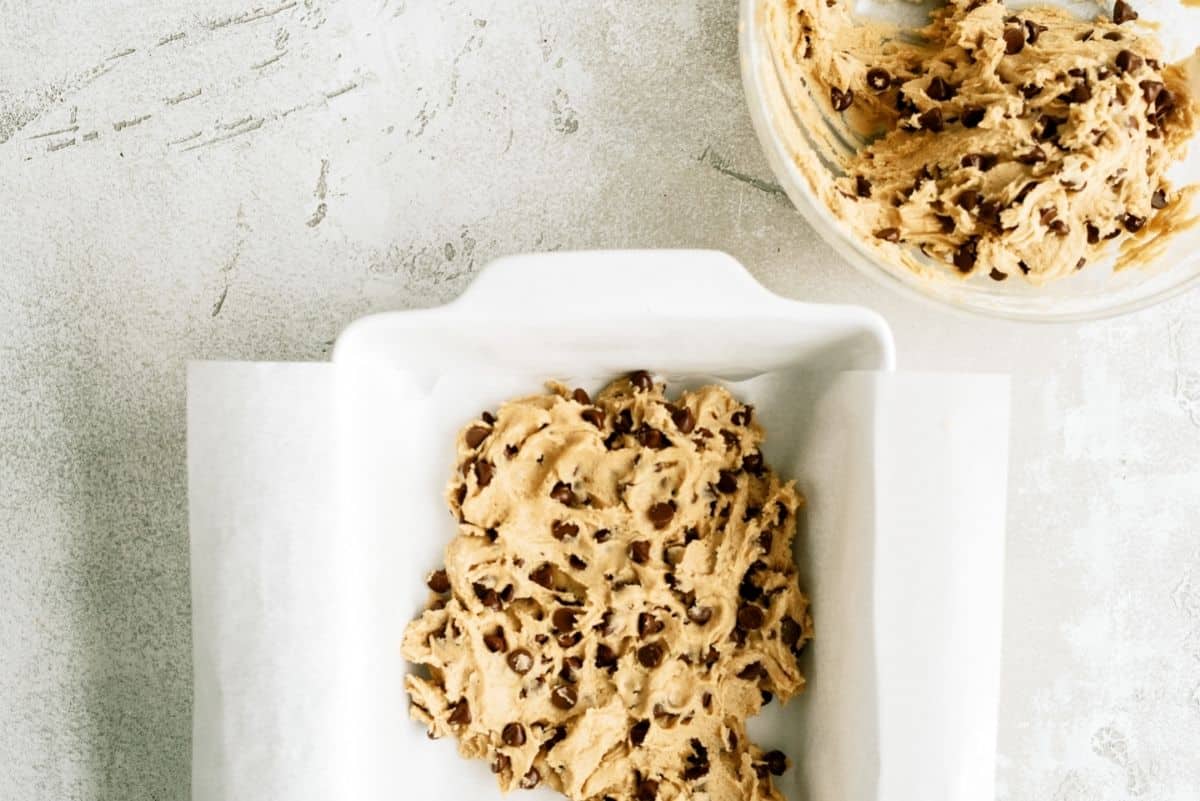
[620, 597]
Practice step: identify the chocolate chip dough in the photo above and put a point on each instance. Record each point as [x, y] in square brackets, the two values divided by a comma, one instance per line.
[620, 597]
[1003, 142]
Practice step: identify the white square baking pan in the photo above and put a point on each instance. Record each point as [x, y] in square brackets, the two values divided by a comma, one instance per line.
[900, 546]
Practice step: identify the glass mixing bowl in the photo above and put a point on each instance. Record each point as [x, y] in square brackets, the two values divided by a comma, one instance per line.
[1095, 292]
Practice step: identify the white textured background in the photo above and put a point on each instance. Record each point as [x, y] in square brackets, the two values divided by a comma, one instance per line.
[219, 179]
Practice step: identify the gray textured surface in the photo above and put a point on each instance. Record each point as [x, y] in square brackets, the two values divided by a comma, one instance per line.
[217, 179]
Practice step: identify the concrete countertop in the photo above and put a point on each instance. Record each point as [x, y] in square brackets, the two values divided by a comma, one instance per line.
[221, 179]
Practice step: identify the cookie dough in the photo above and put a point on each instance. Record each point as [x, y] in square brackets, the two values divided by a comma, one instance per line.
[1011, 143]
[620, 597]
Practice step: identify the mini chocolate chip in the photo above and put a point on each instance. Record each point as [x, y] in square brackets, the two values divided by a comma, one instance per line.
[1133, 223]
[1014, 40]
[605, 656]
[543, 575]
[887, 235]
[1093, 234]
[1159, 199]
[484, 472]
[561, 529]
[727, 482]
[639, 551]
[878, 79]
[491, 534]
[938, 89]
[511, 450]
[660, 514]
[638, 732]
[700, 615]
[964, 257]
[862, 187]
[460, 714]
[967, 199]
[513, 735]
[1032, 31]
[581, 397]
[602, 535]
[495, 641]
[1030, 91]
[931, 120]
[647, 790]
[1024, 267]
[684, 420]
[1129, 61]
[1123, 12]
[749, 617]
[488, 418]
[475, 435]
[648, 624]
[840, 100]
[576, 562]
[530, 779]
[439, 582]
[641, 380]
[563, 493]
[1079, 264]
[564, 696]
[1113, 36]
[972, 116]
[594, 416]
[996, 275]
[564, 619]
[776, 762]
[751, 672]
[650, 655]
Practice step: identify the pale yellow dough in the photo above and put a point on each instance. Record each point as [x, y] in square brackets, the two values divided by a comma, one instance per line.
[620, 597]
[1012, 143]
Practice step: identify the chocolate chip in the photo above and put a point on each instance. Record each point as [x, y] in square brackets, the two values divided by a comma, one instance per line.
[938, 89]
[1024, 193]
[1093, 234]
[557, 737]
[878, 79]
[563, 494]
[1113, 36]
[1048, 127]
[647, 790]
[946, 222]
[650, 655]
[727, 483]
[439, 582]
[511, 450]
[605, 657]
[564, 619]
[660, 514]
[624, 422]
[967, 199]
[887, 235]
[752, 463]
[862, 187]
[751, 672]
[694, 772]
[594, 416]
[765, 541]
[840, 100]
[641, 380]
[564, 696]
[684, 420]
[979, 161]
[749, 617]
[581, 397]
[460, 494]
[648, 624]
[530, 779]
[561, 529]
[789, 632]
[965, 256]
[996, 275]
[1151, 90]
[638, 732]
[1086, 36]
[741, 417]
[513, 735]
[931, 120]
[1133, 223]
[543, 575]
[1014, 40]
[495, 641]
[1123, 12]
[972, 116]
[1129, 61]
[1159, 199]
[475, 435]
[486, 595]
[1032, 31]
[651, 438]
[602, 535]
[1034, 156]
[1059, 227]
[639, 551]
[1079, 264]
[576, 562]
[484, 472]
[1030, 91]
[1080, 93]
[776, 762]
[700, 615]
[488, 418]
[460, 714]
